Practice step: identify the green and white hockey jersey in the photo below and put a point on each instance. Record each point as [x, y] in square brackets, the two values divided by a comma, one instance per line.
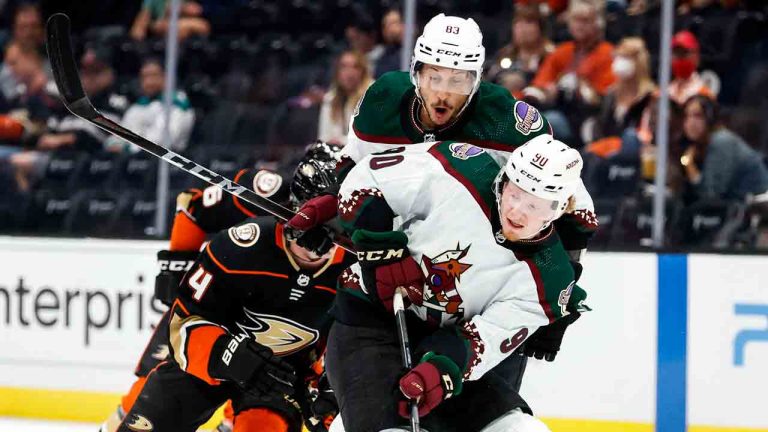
[387, 116]
[484, 293]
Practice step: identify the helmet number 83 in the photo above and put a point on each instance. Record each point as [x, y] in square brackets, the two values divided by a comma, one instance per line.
[452, 29]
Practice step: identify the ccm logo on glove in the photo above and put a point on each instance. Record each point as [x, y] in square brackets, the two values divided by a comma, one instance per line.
[378, 255]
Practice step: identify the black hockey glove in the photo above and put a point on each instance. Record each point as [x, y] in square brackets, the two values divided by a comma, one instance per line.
[173, 266]
[252, 366]
[323, 406]
[324, 403]
[545, 342]
[318, 240]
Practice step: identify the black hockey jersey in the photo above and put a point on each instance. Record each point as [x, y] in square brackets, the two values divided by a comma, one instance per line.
[246, 281]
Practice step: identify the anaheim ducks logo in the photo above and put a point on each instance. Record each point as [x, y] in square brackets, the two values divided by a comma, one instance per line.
[282, 335]
[139, 423]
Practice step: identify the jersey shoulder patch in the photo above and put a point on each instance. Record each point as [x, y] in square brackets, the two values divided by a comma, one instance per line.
[502, 120]
[267, 183]
[239, 247]
[245, 235]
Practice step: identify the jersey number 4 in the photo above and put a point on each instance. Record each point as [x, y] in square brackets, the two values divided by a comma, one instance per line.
[199, 282]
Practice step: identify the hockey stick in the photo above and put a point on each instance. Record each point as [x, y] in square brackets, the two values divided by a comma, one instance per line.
[405, 349]
[67, 77]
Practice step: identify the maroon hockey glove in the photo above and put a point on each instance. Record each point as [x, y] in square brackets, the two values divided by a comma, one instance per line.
[314, 212]
[430, 383]
[307, 226]
[387, 265]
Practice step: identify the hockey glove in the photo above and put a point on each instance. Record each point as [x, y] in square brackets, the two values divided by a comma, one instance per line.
[545, 342]
[323, 406]
[306, 227]
[173, 266]
[252, 366]
[434, 380]
[387, 265]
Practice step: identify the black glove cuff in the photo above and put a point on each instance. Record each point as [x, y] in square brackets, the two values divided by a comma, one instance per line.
[173, 265]
[233, 359]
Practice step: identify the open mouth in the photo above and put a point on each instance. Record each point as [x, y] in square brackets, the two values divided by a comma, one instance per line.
[514, 225]
[441, 110]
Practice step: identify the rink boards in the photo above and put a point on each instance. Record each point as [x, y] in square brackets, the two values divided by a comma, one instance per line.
[672, 339]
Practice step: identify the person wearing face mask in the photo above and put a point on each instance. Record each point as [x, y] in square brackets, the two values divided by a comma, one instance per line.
[624, 107]
[686, 81]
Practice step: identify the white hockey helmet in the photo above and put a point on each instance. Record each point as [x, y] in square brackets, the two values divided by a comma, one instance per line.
[546, 168]
[451, 42]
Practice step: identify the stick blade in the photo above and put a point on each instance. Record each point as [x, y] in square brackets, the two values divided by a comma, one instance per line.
[64, 67]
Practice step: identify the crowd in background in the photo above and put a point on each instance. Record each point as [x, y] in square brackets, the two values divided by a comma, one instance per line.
[260, 79]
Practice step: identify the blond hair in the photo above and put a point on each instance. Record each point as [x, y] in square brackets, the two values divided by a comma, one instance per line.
[341, 102]
[634, 48]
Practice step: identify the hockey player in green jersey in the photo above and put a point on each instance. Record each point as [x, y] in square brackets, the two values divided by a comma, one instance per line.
[473, 245]
[443, 98]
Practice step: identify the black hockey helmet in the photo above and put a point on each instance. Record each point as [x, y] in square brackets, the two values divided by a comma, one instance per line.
[315, 173]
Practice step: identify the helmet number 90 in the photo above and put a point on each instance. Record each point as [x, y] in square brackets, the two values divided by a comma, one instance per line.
[452, 29]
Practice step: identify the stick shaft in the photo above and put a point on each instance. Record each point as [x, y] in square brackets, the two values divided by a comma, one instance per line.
[405, 349]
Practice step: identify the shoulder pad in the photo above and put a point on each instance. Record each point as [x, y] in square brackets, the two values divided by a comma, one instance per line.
[378, 112]
[238, 247]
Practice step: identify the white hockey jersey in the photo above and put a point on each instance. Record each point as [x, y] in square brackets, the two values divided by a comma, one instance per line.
[495, 293]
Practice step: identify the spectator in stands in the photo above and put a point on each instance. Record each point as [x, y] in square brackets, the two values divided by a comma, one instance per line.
[717, 163]
[350, 80]
[146, 117]
[294, 124]
[361, 37]
[153, 20]
[28, 31]
[624, 112]
[573, 79]
[392, 29]
[516, 63]
[67, 131]
[98, 80]
[23, 117]
[686, 81]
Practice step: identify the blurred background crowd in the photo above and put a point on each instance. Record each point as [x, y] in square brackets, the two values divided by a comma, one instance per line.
[259, 79]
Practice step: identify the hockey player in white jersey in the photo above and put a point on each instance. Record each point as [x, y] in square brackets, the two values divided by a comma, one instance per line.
[473, 244]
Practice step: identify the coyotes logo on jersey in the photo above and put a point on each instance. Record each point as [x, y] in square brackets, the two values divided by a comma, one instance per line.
[443, 274]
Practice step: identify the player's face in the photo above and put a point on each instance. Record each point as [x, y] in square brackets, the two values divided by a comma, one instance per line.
[444, 92]
[307, 259]
[522, 214]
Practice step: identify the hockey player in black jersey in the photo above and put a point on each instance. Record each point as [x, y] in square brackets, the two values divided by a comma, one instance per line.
[203, 210]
